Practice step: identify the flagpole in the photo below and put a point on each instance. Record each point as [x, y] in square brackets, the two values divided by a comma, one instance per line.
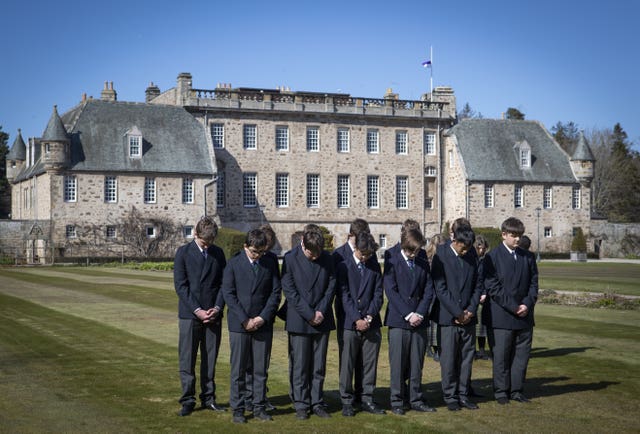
[431, 72]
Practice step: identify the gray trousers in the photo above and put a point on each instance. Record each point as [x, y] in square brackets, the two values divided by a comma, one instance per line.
[511, 349]
[360, 354]
[308, 366]
[249, 350]
[457, 351]
[406, 358]
[193, 334]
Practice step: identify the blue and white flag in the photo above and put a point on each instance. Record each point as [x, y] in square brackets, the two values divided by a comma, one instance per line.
[427, 63]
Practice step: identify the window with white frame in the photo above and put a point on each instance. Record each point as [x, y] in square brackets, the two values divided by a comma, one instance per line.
[110, 189]
[429, 143]
[451, 159]
[313, 139]
[217, 135]
[402, 192]
[430, 171]
[70, 188]
[382, 241]
[111, 232]
[343, 191]
[282, 190]
[373, 191]
[547, 197]
[187, 190]
[187, 231]
[548, 233]
[488, 196]
[220, 190]
[575, 197]
[282, 138]
[428, 203]
[402, 147]
[135, 146]
[313, 190]
[525, 158]
[151, 231]
[249, 136]
[372, 142]
[70, 231]
[518, 196]
[249, 190]
[343, 140]
[149, 190]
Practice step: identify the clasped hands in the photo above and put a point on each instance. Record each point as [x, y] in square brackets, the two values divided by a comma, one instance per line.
[209, 315]
[522, 311]
[253, 324]
[317, 319]
[464, 318]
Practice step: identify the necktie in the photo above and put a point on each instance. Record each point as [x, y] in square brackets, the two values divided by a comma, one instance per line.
[515, 257]
[204, 253]
[460, 261]
[254, 267]
[410, 264]
[361, 268]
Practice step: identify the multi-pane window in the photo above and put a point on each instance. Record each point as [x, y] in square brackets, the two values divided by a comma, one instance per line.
[282, 138]
[149, 190]
[70, 188]
[187, 231]
[488, 196]
[343, 140]
[401, 143]
[135, 146]
[548, 232]
[110, 189]
[575, 197]
[373, 191]
[547, 197]
[343, 191]
[282, 190]
[220, 190]
[70, 231]
[187, 190]
[249, 136]
[382, 240]
[372, 142]
[402, 192]
[111, 232]
[428, 203]
[249, 190]
[313, 190]
[217, 135]
[525, 158]
[518, 196]
[313, 139]
[430, 171]
[429, 143]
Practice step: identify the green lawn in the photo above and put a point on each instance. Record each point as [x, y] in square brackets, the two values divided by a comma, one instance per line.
[592, 276]
[95, 350]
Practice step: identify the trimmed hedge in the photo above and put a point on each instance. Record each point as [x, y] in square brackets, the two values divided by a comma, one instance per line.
[231, 241]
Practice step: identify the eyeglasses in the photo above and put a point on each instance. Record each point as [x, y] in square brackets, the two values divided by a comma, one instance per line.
[256, 252]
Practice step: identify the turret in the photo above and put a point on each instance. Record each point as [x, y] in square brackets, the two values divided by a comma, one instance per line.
[55, 143]
[582, 161]
[16, 157]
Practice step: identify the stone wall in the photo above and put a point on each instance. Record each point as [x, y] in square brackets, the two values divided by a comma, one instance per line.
[615, 240]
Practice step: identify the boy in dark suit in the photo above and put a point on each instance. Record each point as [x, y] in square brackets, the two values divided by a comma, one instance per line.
[197, 276]
[511, 282]
[251, 289]
[409, 293]
[455, 279]
[359, 285]
[308, 282]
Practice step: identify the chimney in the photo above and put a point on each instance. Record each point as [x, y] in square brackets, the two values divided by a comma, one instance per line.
[108, 94]
[151, 92]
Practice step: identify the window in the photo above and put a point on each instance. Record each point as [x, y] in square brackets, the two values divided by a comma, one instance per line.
[135, 146]
[525, 158]
[429, 143]
[401, 143]
[372, 142]
[343, 191]
[282, 138]
[151, 231]
[249, 135]
[282, 190]
[47, 148]
[187, 231]
[111, 232]
[547, 197]
[70, 188]
[428, 203]
[313, 139]
[488, 196]
[575, 197]
[382, 240]
[71, 231]
[25, 199]
[430, 171]
[313, 190]
[451, 160]
[220, 190]
[149, 190]
[217, 135]
[518, 196]
[373, 197]
[402, 192]
[249, 190]
[110, 189]
[547, 232]
[343, 140]
[187, 190]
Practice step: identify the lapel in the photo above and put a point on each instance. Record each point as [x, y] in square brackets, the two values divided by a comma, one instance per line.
[310, 269]
[260, 272]
[199, 260]
[359, 281]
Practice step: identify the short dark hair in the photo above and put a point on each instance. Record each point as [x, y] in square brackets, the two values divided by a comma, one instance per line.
[513, 225]
[407, 225]
[464, 235]
[357, 226]
[313, 241]
[312, 227]
[256, 238]
[207, 229]
[412, 240]
[525, 242]
[481, 241]
[270, 234]
[365, 243]
[460, 222]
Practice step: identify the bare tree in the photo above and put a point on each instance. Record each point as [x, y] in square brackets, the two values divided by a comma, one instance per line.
[147, 236]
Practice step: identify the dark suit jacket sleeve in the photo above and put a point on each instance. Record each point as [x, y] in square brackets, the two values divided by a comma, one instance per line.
[494, 284]
[181, 280]
[294, 301]
[217, 281]
[391, 289]
[532, 295]
[351, 313]
[230, 292]
[378, 297]
[445, 297]
[325, 302]
[268, 313]
[427, 289]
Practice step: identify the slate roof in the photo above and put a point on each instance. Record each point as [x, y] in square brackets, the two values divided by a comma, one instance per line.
[18, 149]
[489, 151]
[582, 151]
[55, 131]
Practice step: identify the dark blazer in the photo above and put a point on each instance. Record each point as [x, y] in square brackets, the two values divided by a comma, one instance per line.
[249, 295]
[309, 286]
[360, 295]
[456, 287]
[197, 281]
[406, 291]
[510, 283]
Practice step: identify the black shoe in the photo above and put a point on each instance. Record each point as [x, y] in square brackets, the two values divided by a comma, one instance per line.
[321, 412]
[436, 357]
[262, 415]
[372, 407]
[468, 404]
[302, 414]
[213, 406]
[269, 406]
[238, 417]
[398, 410]
[186, 410]
[348, 411]
[520, 398]
[423, 408]
[503, 400]
[453, 406]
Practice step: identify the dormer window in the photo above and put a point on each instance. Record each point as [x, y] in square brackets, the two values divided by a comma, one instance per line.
[134, 140]
[523, 152]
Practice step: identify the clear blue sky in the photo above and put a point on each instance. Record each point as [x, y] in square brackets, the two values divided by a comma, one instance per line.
[553, 60]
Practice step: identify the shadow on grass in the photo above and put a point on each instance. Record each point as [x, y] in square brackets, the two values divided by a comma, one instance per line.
[556, 352]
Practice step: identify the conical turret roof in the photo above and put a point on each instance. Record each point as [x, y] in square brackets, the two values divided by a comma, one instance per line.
[18, 149]
[55, 131]
[582, 152]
